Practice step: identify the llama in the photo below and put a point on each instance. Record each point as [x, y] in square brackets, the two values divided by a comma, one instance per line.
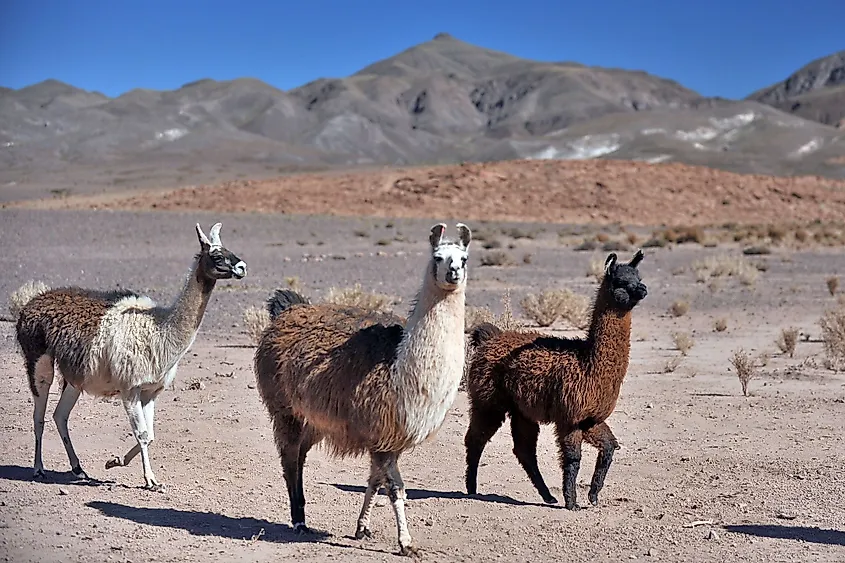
[116, 342]
[362, 382]
[572, 383]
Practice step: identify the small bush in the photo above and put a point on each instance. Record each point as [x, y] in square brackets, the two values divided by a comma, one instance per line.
[552, 304]
[832, 285]
[496, 258]
[477, 315]
[492, 244]
[833, 334]
[671, 364]
[720, 325]
[506, 321]
[596, 268]
[588, 244]
[255, 320]
[744, 366]
[756, 250]
[787, 340]
[527, 258]
[357, 297]
[293, 283]
[683, 342]
[679, 308]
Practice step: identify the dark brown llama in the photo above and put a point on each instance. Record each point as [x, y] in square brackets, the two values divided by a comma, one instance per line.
[571, 383]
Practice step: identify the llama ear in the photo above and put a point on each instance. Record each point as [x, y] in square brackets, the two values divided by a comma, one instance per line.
[466, 234]
[638, 257]
[437, 234]
[610, 262]
[214, 234]
[204, 242]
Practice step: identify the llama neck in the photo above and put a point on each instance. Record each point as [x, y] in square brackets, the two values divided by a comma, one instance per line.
[430, 361]
[187, 311]
[610, 342]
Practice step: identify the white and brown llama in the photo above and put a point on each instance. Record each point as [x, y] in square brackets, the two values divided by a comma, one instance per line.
[115, 342]
[365, 382]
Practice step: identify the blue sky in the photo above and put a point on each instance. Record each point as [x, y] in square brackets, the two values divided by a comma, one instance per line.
[726, 48]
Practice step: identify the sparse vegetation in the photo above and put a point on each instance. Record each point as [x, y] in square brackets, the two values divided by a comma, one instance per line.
[596, 268]
[553, 304]
[787, 340]
[255, 320]
[22, 295]
[720, 325]
[832, 285]
[356, 297]
[833, 334]
[679, 308]
[293, 283]
[683, 342]
[496, 258]
[744, 366]
[477, 315]
[527, 257]
[671, 364]
[506, 320]
[732, 266]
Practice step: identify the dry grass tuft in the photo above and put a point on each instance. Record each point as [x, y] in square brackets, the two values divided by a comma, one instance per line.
[506, 321]
[22, 295]
[833, 334]
[596, 268]
[720, 325]
[671, 364]
[553, 304]
[832, 285]
[719, 266]
[744, 366]
[496, 258]
[255, 319]
[679, 308]
[294, 283]
[787, 340]
[357, 297]
[683, 342]
[477, 315]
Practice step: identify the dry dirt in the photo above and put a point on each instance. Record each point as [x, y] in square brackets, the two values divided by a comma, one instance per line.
[766, 471]
[589, 191]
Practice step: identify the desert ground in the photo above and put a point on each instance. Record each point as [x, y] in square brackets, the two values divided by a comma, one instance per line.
[704, 473]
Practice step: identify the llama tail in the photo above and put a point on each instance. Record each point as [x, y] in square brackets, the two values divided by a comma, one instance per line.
[282, 300]
[23, 295]
[483, 332]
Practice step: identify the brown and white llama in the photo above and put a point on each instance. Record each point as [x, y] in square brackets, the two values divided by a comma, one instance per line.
[365, 382]
[571, 383]
[115, 342]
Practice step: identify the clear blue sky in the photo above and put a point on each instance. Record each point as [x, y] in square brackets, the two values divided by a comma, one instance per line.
[716, 47]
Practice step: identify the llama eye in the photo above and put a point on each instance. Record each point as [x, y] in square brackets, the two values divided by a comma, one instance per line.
[438, 258]
[464, 261]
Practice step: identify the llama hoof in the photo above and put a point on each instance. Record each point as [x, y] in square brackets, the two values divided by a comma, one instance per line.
[114, 462]
[550, 500]
[155, 487]
[300, 529]
[80, 473]
[38, 473]
[362, 533]
[594, 500]
[409, 550]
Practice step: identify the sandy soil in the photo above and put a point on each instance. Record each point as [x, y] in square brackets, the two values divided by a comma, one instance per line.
[589, 191]
[768, 470]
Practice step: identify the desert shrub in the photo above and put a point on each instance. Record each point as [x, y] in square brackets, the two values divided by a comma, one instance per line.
[496, 258]
[671, 364]
[732, 266]
[255, 320]
[787, 340]
[655, 242]
[492, 244]
[357, 297]
[527, 258]
[832, 285]
[587, 244]
[679, 308]
[833, 334]
[477, 315]
[756, 250]
[293, 283]
[683, 342]
[506, 320]
[553, 304]
[744, 366]
[596, 268]
[720, 325]
[22, 295]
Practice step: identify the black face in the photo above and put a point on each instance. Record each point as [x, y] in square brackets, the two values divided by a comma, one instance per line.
[625, 284]
[222, 264]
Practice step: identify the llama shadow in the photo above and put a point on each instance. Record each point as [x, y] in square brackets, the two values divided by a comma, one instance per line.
[800, 533]
[208, 523]
[18, 473]
[420, 494]
[711, 394]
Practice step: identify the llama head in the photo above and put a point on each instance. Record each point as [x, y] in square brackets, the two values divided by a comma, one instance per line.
[623, 282]
[217, 261]
[449, 257]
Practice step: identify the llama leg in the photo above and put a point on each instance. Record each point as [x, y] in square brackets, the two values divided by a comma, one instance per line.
[525, 433]
[288, 432]
[148, 409]
[483, 424]
[310, 438]
[70, 395]
[396, 493]
[135, 411]
[602, 438]
[569, 442]
[376, 479]
[40, 373]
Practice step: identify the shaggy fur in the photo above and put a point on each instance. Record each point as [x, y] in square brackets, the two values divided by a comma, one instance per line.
[571, 383]
[362, 381]
[118, 342]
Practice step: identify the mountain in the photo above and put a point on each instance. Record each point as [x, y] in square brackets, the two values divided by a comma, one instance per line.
[816, 91]
[441, 101]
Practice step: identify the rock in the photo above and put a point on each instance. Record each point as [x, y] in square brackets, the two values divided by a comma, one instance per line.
[712, 535]
[62, 492]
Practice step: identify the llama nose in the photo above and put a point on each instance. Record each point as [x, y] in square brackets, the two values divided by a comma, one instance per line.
[642, 290]
[239, 269]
